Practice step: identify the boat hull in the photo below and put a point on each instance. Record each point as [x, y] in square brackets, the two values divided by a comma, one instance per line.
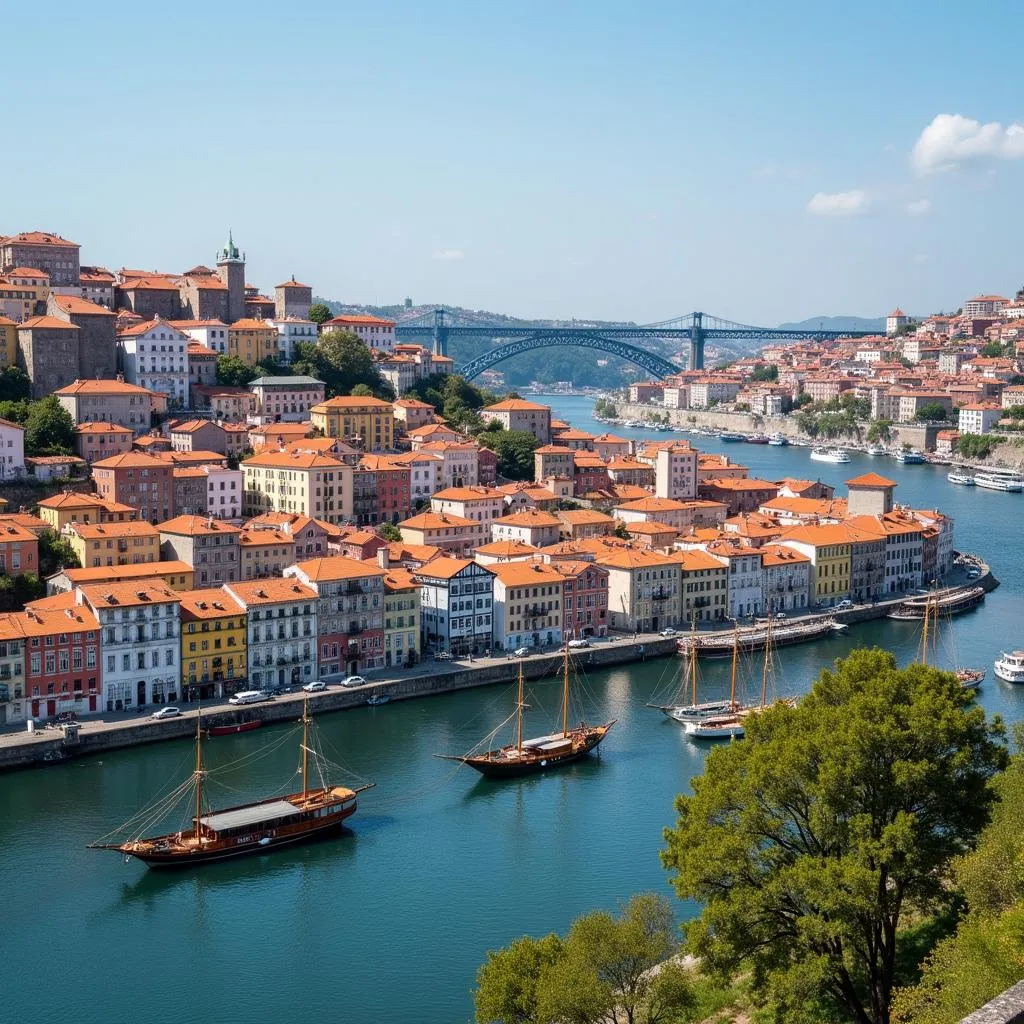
[497, 765]
[720, 645]
[728, 729]
[230, 730]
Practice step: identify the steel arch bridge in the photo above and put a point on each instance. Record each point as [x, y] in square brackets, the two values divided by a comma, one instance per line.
[694, 329]
[554, 337]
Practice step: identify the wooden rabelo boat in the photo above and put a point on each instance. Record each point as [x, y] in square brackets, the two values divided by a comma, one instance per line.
[230, 730]
[543, 753]
[256, 827]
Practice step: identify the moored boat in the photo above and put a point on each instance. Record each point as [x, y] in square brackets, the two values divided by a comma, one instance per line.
[756, 439]
[726, 726]
[1009, 666]
[910, 457]
[256, 827]
[1000, 480]
[542, 753]
[778, 440]
[830, 455]
[958, 476]
[377, 699]
[719, 644]
[230, 730]
[731, 437]
[970, 678]
[876, 450]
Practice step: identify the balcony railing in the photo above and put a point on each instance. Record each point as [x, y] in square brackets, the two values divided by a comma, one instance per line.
[660, 594]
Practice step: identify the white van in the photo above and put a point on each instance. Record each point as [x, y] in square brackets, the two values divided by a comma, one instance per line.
[248, 697]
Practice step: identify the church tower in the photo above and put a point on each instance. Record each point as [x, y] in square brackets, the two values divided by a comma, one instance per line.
[231, 270]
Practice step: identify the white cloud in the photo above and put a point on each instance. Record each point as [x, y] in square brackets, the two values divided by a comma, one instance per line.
[919, 207]
[839, 204]
[448, 255]
[952, 139]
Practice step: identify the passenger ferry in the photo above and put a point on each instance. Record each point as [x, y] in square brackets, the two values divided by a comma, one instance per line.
[1010, 666]
[912, 457]
[958, 476]
[830, 455]
[1000, 480]
[727, 436]
[876, 449]
[778, 440]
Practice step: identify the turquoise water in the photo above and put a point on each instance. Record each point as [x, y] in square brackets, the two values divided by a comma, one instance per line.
[389, 922]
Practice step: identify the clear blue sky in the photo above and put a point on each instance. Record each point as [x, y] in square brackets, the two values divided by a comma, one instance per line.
[559, 158]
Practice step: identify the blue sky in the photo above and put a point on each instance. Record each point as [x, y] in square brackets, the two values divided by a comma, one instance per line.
[591, 159]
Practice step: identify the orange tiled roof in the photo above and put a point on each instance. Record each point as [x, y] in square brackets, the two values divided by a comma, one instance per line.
[46, 323]
[101, 387]
[195, 526]
[112, 595]
[209, 603]
[515, 405]
[436, 521]
[99, 427]
[338, 567]
[74, 305]
[870, 480]
[38, 238]
[272, 591]
[445, 568]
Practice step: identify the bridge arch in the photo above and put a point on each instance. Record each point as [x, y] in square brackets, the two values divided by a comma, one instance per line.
[653, 364]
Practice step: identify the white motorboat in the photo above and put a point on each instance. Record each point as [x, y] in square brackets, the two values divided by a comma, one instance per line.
[911, 457]
[876, 449]
[778, 440]
[1000, 480]
[830, 455]
[958, 476]
[717, 727]
[1010, 666]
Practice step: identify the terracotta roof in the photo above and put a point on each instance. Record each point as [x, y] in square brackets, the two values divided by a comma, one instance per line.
[125, 528]
[652, 504]
[524, 574]
[445, 568]
[101, 387]
[515, 405]
[293, 460]
[131, 460]
[149, 284]
[291, 284]
[650, 528]
[552, 449]
[742, 483]
[37, 238]
[468, 494]
[272, 591]
[528, 517]
[209, 603]
[338, 567]
[248, 324]
[74, 305]
[260, 537]
[194, 526]
[870, 480]
[396, 579]
[355, 318]
[399, 551]
[112, 595]
[99, 427]
[632, 558]
[36, 621]
[436, 521]
[120, 573]
[819, 535]
[46, 323]
[696, 560]
[776, 554]
[507, 549]
[352, 402]
[583, 517]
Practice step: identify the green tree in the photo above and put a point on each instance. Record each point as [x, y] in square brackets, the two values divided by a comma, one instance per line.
[49, 428]
[16, 591]
[233, 373]
[55, 553]
[804, 398]
[880, 430]
[810, 842]
[270, 367]
[389, 532]
[976, 446]
[932, 412]
[605, 407]
[506, 984]
[14, 385]
[766, 373]
[986, 954]
[15, 411]
[992, 350]
[514, 449]
[341, 361]
[362, 391]
[1016, 412]
[320, 313]
[620, 530]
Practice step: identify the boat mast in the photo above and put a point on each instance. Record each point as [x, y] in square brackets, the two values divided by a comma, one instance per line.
[924, 635]
[735, 654]
[565, 693]
[767, 657]
[692, 661]
[305, 748]
[519, 713]
[199, 775]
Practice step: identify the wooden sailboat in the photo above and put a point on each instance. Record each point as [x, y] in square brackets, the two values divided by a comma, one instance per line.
[969, 678]
[683, 713]
[766, 674]
[248, 828]
[529, 756]
[725, 726]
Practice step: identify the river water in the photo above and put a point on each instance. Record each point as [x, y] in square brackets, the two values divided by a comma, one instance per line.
[390, 921]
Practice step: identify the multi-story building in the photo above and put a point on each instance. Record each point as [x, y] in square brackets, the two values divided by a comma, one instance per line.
[12, 450]
[13, 707]
[896, 320]
[373, 331]
[452, 534]
[480, 504]
[281, 625]
[103, 544]
[744, 587]
[58, 510]
[48, 353]
[401, 617]
[739, 495]
[142, 481]
[211, 546]
[584, 598]
[528, 600]
[703, 586]
[211, 334]
[54, 255]
[829, 550]
[97, 355]
[23, 293]
[903, 536]
[708, 391]
[313, 537]
[287, 399]
[8, 339]
[392, 499]
[350, 612]
[110, 401]
[141, 641]
[529, 526]
[313, 485]
[786, 582]
[675, 473]
[365, 423]
[978, 417]
[214, 637]
[518, 414]
[202, 364]
[643, 589]
[154, 355]
[457, 606]
[577, 524]
[292, 300]
[979, 306]
[460, 462]
[411, 413]
[225, 402]
[867, 564]
[423, 470]
[177, 575]
[96, 441]
[667, 511]
[265, 551]
[252, 341]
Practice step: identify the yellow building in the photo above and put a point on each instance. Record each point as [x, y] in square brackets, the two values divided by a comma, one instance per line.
[213, 643]
[8, 342]
[367, 423]
[829, 549]
[59, 510]
[252, 341]
[401, 618]
[105, 544]
[23, 293]
[302, 483]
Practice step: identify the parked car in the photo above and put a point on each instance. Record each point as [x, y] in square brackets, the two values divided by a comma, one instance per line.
[248, 697]
[577, 644]
[780, 615]
[669, 632]
[167, 712]
[353, 681]
[522, 652]
[442, 656]
[844, 604]
[316, 686]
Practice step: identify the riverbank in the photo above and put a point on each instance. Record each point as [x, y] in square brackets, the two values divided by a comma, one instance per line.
[22, 750]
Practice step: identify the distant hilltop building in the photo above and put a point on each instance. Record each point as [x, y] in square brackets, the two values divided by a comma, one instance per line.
[896, 320]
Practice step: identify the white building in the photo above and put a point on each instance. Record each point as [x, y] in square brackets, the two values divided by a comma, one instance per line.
[528, 526]
[710, 391]
[211, 333]
[154, 355]
[281, 631]
[457, 606]
[12, 450]
[141, 642]
[746, 577]
[978, 418]
[292, 331]
[528, 605]
[373, 331]
[518, 414]
[481, 504]
[983, 306]
[895, 320]
[786, 579]
[225, 489]
[675, 473]
[424, 468]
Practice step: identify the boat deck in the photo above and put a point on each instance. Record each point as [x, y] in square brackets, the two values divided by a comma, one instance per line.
[255, 814]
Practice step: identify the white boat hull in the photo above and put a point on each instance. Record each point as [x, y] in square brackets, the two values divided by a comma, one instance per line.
[715, 729]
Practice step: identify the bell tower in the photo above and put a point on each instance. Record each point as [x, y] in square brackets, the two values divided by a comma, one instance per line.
[231, 270]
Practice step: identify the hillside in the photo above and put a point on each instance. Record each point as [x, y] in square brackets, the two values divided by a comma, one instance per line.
[838, 323]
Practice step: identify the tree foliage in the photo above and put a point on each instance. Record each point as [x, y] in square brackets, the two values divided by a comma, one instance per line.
[342, 361]
[49, 428]
[932, 412]
[514, 449]
[232, 372]
[811, 842]
[15, 384]
[55, 553]
[605, 407]
[455, 399]
[976, 446]
[320, 312]
[986, 955]
[16, 591]
[389, 532]
[608, 969]
[880, 430]
[767, 373]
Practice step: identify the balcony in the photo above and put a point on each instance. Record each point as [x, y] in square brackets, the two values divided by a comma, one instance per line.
[535, 611]
[661, 594]
[353, 588]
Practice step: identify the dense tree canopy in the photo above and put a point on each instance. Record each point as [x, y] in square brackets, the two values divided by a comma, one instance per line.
[932, 412]
[607, 970]
[232, 372]
[976, 446]
[342, 361]
[514, 449]
[49, 428]
[55, 553]
[14, 384]
[811, 842]
[320, 312]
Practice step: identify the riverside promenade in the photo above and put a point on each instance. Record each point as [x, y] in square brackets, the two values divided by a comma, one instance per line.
[96, 734]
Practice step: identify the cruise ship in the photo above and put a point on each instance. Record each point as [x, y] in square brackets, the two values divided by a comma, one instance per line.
[1000, 480]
